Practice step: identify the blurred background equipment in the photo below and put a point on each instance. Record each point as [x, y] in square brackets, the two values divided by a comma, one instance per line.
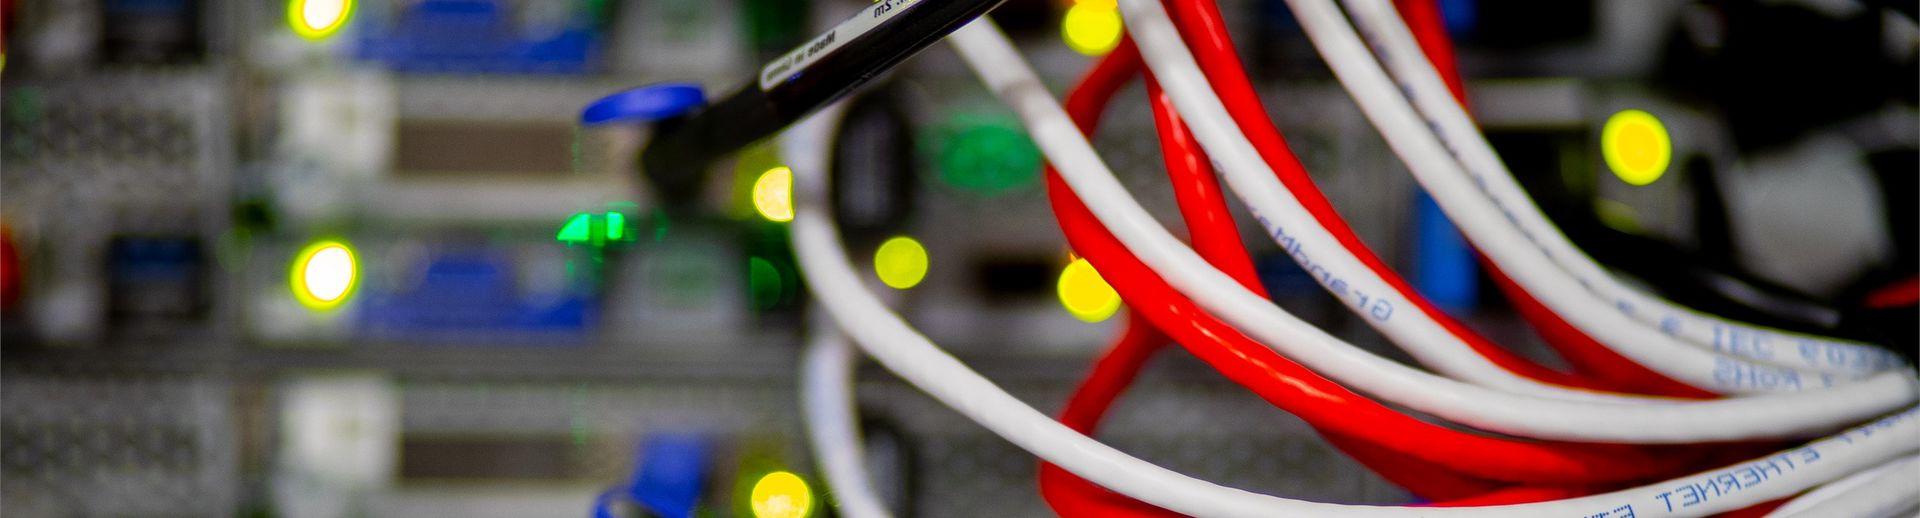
[324, 258]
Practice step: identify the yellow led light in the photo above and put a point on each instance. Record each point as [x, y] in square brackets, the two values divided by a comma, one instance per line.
[318, 19]
[323, 275]
[773, 195]
[1085, 294]
[900, 262]
[1092, 27]
[781, 494]
[1636, 147]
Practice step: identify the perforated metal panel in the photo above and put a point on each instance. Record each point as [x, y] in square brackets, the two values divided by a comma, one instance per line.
[117, 445]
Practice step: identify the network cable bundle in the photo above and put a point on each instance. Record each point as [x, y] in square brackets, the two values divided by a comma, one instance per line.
[1664, 415]
[1675, 380]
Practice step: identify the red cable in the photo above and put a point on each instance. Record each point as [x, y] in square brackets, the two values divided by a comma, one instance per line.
[1216, 238]
[1905, 292]
[1115, 370]
[1200, 22]
[1586, 355]
[1300, 391]
[1075, 493]
[1589, 357]
[1074, 497]
[1430, 30]
[1070, 495]
[1213, 232]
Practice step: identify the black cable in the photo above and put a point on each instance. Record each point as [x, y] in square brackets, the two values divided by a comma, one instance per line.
[818, 72]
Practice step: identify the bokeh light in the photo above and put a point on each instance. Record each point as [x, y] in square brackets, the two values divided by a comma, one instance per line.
[324, 274]
[987, 155]
[1085, 294]
[900, 262]
[1092, 27]
[773, 195]
[577, 229]
[781, 494]
[765, 286]
[1636, 147]
[318, 19]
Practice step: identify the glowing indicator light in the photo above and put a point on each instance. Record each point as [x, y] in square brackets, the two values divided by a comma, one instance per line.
[324, 274]
[1085, 294]
[1092, 27]
[1636, 147]
[765, 286]
[987, 155]
[318, 19]
[900, 262]
[773, 195]
[781, 494]
[578, 229]
[616, 226]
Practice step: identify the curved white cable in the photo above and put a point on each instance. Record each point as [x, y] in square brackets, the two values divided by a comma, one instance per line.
[899, 348]
[1341, 274]
[1319, 253]
[826, 398]
[1448, 121]
[1323, 23]
[826, 388]
[1890, 490]
[1516, 414]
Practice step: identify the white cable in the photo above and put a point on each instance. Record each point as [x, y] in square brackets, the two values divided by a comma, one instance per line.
[1515, 414]
[1321, 255]
[826, 398]
[1892, 489]
[898, 347]
[1448, 121]
[826, 385]
[1367, 294]
[1167, 55]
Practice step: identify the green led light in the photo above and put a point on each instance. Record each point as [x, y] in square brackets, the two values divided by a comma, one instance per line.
[765, 287]
[616, 226]
[578, 229]
[988, 155]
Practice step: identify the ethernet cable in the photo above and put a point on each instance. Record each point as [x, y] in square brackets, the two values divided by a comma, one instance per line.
[1166, 54]
[1412, 453]
[1420, 82]
[889, 2]
[1333, 408]
[1596, 367]
[901, 349]
[1213, 234]
[1308, 228]
[1075, 497]
[1881, 491]
[1105, 382]
[1329, 407]
[1734, 419]
[827, 398]
[1530, 266]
